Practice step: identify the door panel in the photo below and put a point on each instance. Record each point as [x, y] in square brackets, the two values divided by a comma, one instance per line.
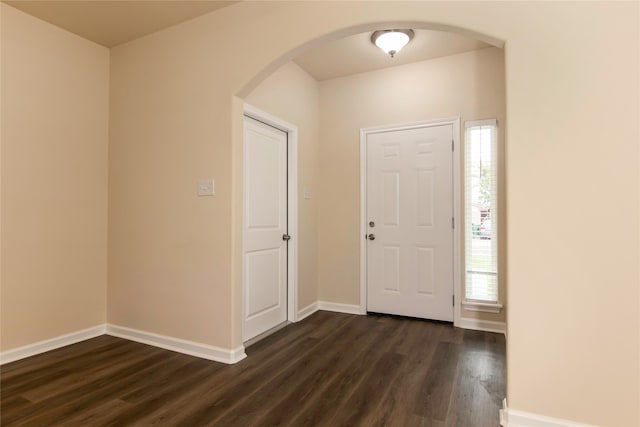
[391, 268]
[264, 198]
[265, 222]
[410, 200]
[262, 267]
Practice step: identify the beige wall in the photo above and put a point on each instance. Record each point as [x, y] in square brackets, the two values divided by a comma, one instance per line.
[54, 181]
[293, 95]
[572, 109]
[469, 85]
[169, 250]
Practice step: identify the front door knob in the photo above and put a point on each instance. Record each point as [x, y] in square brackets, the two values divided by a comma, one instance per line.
[286, 237]
[372, 236]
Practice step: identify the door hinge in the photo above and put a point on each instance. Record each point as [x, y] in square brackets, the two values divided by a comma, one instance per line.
[453, 223]
[453, 300]
[452, 145]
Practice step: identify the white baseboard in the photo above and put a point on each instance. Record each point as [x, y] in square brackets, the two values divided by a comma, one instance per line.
[482, 325]
[514, 418]
[307, 311]
[339, 308]
[181, 346]
[50, 344]
[192, 348]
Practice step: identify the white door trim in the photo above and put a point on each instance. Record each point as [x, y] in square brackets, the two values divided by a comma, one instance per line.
[292, 206]
[457, 192]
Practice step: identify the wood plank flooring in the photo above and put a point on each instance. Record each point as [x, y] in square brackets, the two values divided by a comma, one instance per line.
[330, 369]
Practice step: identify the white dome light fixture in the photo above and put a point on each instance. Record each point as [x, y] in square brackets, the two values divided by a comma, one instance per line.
[391, 41]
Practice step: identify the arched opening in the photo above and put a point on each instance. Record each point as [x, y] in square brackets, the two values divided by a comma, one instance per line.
[337, 165]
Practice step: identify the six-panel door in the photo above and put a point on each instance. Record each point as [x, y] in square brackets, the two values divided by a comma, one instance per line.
[410, 213]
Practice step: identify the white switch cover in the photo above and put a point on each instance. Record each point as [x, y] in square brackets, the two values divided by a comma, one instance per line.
[306, 193]
[206, 187]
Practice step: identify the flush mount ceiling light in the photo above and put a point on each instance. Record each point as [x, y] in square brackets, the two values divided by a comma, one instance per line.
[391, 41]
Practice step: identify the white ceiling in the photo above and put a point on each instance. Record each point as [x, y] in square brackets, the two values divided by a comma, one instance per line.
[356, 54]
[111, 23]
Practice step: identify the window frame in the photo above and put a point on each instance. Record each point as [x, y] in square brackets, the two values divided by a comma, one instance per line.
[490, 306]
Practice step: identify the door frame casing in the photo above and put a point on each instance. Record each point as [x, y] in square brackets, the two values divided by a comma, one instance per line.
[292, 208]
[457, 214]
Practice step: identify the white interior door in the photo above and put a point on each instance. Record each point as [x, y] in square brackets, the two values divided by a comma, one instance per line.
[410, 217]
[265, 224]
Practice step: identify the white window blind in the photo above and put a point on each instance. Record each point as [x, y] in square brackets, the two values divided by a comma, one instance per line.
[481, 211]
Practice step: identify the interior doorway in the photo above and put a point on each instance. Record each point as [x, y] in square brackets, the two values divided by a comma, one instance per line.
[331, 100]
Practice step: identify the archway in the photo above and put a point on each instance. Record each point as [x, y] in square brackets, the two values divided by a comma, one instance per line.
[237, 112]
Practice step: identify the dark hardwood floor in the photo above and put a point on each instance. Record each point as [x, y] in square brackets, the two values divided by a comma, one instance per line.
[328, 370]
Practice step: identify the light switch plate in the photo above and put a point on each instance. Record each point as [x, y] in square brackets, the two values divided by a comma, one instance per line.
[206, 187]
[306, 193]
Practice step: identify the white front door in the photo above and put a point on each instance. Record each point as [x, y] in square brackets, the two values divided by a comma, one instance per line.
[265, 224]
[409, 222]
